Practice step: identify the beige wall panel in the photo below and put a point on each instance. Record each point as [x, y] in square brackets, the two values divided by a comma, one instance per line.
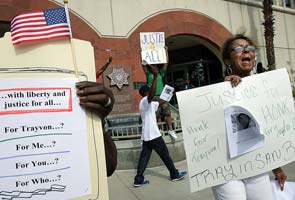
[261, 56]
[252, 23]
[118, 18]
[135, 12]
[217, 10]
[282, 58]
[96, 13]
[292, 59]
[235, 17]
[290, 24]
[280, 30]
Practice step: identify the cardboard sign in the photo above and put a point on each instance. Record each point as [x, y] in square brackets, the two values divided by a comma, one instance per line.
[152, 47]
[268, 97]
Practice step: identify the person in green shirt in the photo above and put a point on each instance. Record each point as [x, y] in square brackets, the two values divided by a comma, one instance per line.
[164, 109]
[160, 79]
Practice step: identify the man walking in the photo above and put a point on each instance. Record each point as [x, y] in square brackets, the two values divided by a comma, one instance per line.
[151, 135]
[163, 110]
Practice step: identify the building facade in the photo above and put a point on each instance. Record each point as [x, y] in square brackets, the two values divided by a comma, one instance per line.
[194, 30]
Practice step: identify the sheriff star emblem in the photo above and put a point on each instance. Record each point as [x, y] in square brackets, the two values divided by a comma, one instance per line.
[118, 77]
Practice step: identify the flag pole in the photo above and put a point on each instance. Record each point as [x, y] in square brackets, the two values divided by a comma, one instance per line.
[71, 39]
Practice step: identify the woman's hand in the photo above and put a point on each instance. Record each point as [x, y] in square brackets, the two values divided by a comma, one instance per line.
[234, 79]
[280, 176]
[95, 97]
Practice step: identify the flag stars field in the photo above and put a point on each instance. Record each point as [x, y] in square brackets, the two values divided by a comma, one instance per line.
[40, 25]
[55, 16]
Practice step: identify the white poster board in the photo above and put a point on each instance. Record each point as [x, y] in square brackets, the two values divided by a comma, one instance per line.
[51, 60]
[44, 140]
[268, 97]
[153, 47]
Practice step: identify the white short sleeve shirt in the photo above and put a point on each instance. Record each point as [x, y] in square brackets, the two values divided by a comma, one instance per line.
[150, 128]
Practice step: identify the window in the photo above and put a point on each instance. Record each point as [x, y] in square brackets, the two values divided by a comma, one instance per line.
[289, 3]
[284, 3]
[278, 2]
[4, 27]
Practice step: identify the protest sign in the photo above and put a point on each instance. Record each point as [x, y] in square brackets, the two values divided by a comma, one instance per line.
[22, 101]
[40, 140]
[153, 47]
[268, 97]
[167, 93]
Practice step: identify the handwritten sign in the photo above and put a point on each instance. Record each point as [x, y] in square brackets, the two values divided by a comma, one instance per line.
[43, 142]
[268, 97]
[152, 47]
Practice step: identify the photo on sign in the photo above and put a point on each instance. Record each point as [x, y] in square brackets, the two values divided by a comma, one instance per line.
[241, 121]
[167, 93]
[243, 133]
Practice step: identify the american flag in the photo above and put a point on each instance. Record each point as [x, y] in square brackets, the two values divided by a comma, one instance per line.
[40, 25]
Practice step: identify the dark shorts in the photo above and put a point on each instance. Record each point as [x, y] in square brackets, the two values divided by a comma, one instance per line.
[163, 109]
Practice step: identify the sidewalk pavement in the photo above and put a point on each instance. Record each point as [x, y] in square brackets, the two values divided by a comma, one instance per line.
[160, 187]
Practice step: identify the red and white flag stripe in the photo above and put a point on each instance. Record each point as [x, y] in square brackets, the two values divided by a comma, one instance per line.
[29, 27]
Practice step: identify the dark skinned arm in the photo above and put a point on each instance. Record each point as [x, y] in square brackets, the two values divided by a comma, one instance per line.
[234, 79]
[144, 67]
[110, 152]
[152, 92]
[165, 65]
[280, 177]
[93, 96]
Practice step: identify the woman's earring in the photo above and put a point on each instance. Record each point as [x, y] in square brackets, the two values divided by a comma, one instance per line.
[229, 71]
[254, 70]
[255, 59]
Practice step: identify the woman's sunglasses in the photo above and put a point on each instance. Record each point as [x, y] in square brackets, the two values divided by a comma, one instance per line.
[240, 48]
